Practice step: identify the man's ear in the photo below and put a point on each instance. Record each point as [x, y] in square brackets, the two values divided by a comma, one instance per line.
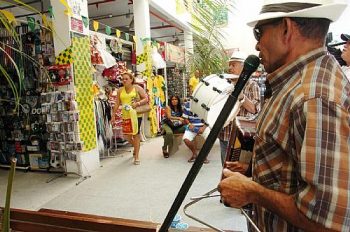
[287, 30]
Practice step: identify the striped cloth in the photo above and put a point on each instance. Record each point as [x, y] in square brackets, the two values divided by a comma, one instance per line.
[195, 121]
[302, 145]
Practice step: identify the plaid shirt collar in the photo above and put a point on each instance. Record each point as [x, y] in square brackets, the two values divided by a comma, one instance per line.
[279, 78]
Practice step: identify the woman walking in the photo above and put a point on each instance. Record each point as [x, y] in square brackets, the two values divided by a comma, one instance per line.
[130, 95]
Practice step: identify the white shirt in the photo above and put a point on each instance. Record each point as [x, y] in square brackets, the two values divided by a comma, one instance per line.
[346, 70]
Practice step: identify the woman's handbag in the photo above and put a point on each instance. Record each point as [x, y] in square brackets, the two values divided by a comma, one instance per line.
[143, 109]
[172, 124]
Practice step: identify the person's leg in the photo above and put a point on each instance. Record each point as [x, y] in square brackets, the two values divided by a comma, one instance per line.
[223, 149]
[136, 144]
[136, 148]
[188, 139]
[168, 140]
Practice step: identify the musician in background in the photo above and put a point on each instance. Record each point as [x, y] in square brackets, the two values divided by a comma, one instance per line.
[249, 99]
[346, 55]
[194, 80]
[301, 165]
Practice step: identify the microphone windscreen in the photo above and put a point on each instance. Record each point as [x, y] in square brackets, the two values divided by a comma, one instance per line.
[251, 63]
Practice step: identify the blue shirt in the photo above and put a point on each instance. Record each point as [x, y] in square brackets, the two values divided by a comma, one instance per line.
[194, 120]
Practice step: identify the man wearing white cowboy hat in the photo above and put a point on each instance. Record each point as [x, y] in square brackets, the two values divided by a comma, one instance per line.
[301, 163]
[250, 105]
[346, 55]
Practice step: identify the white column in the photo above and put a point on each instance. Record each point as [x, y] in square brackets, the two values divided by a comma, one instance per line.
[188, 37]
[62, 28]
[141, 22]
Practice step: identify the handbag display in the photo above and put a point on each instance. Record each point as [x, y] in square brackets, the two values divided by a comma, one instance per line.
[143, 109]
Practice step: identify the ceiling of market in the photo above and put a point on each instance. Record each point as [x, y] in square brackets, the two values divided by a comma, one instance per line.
[118, 14]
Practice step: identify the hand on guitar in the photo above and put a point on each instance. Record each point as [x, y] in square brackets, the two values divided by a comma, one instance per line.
[236, 189]
[237, 166]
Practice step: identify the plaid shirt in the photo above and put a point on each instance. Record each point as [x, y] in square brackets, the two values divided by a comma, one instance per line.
[302, 145]
[252, 92]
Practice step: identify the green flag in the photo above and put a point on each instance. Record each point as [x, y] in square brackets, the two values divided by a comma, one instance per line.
[31, 23]
[51, 12]
[108, 30]
[85, 21]
[127, 36]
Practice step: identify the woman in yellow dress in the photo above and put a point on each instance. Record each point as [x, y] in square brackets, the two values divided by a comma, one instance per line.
[130, 95]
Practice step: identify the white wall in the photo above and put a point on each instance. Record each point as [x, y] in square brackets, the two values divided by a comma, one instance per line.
[342, 25]
[239, 35]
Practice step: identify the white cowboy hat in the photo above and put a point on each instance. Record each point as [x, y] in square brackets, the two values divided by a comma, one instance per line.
[238, 56]
[329, 9]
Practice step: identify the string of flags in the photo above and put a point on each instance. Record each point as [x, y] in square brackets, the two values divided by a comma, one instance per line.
[47, 22]
[127, 36]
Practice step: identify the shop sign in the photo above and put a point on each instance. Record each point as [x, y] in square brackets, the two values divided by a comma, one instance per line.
[77, 25]
[174, 54]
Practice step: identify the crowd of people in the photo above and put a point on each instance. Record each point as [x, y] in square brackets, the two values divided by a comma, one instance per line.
[300, 159]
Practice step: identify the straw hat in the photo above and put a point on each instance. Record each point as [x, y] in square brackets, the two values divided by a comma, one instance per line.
[329, 9]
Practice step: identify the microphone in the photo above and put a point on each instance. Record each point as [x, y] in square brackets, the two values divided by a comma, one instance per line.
[250, 65]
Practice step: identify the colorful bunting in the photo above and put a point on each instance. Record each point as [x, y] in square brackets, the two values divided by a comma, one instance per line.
[96, 25]
[117, 32]
[44, 18]
[50, 10]
[31, 23]
[108, 30]
[85, 21]
[68, 10]
[9, 16]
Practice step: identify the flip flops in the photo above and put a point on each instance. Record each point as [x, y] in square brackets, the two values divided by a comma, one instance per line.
[136, 162]
[192, 159]
[166, 154]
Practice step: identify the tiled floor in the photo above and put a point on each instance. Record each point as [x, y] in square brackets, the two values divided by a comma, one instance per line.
[121, 189]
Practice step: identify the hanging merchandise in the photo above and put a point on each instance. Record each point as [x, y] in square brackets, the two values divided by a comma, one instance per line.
[116, 47]
[100, 56]
[114, 73]
[60, 74]
[157, 60]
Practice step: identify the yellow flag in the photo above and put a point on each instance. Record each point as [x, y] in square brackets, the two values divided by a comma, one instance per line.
[135, 38]
[44, 18]
[9, 16]
[96, 25]
[68, 10]
[117, 32]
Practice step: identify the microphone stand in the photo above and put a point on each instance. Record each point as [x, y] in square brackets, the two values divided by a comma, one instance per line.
[203, 153]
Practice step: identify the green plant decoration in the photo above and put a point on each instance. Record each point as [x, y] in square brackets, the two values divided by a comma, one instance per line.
[209, 54]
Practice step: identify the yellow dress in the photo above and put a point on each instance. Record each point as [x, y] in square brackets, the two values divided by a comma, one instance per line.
[129, 115]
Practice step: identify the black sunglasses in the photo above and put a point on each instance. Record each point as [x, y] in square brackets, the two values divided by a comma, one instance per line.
[257, 30]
